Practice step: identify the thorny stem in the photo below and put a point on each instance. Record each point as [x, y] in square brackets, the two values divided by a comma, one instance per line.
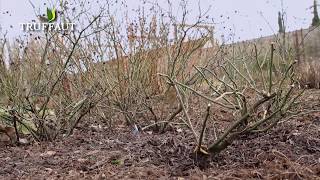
[44, 106]
[188, 123]
[242, 119]
[204, 127]
[270, 68]
[211, 86]
[215, 101]
[259, 66]
[184, 110]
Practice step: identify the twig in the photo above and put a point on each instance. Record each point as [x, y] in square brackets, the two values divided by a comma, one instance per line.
[201, 95]
[153, 113]
[211, 86]
[172, 116]
[185, 111]
[299, 114]
[154, 124]
[259, 66]
[204, 127]
[14, 117]
[270, 68]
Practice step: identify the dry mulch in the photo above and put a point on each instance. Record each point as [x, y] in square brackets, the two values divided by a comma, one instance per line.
[289, 151]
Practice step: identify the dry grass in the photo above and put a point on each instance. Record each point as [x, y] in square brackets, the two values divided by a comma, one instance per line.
[309, 74]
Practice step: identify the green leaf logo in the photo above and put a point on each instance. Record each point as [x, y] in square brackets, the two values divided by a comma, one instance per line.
[51, 14]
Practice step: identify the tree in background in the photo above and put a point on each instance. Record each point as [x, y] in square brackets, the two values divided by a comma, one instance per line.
[315, 20]
[281, 22]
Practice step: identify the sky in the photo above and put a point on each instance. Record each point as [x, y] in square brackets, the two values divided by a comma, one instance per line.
[235, 19]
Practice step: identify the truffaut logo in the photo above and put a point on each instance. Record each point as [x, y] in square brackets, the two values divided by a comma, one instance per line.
[51, 14]
[47, 23]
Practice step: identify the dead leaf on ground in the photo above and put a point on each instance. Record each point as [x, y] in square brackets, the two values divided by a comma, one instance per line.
[48, 154]
[92, 152]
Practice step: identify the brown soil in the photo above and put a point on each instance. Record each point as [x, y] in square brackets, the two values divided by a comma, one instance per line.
[289, 151]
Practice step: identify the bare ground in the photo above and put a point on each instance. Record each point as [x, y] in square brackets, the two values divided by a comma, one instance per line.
[289, 151]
